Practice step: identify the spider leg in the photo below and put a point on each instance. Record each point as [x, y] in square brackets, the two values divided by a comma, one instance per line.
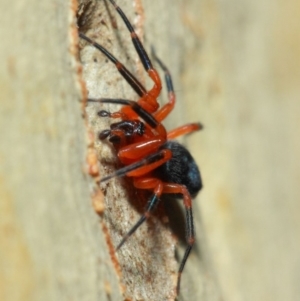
[162, 113]
[104, 113]
[147, 117]
[129, 77]
[184, 129]
[143, 166]
[160, 187]
[153, 74]
[138, 109]
[138, 150]
[190, 234]
[152, 203]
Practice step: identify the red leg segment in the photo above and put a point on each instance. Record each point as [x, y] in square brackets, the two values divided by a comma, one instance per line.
[184, 129]
[166, 156]
[142, 166]
[132, 111]
[162, 113]
[140, 149]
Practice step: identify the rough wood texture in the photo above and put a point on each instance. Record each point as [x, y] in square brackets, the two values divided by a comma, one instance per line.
[236, 69]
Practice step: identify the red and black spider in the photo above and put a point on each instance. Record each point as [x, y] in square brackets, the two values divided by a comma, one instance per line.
[150, 156]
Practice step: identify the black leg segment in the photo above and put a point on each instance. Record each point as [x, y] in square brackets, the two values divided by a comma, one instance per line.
[128, 76]
[135, 39]
[150, 207]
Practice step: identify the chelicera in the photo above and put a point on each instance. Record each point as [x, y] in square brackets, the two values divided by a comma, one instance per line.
[147, 151]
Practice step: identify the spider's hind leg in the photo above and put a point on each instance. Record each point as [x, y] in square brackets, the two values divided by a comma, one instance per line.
[152, 204]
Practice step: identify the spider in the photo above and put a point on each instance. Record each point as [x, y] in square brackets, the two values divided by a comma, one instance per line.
[147, 151]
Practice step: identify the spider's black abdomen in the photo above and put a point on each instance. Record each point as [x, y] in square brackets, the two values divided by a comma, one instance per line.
[180, 169]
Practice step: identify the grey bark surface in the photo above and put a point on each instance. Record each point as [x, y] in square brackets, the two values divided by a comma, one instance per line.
[235, 67]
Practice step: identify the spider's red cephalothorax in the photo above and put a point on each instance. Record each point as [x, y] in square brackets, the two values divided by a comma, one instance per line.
[149, 155]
